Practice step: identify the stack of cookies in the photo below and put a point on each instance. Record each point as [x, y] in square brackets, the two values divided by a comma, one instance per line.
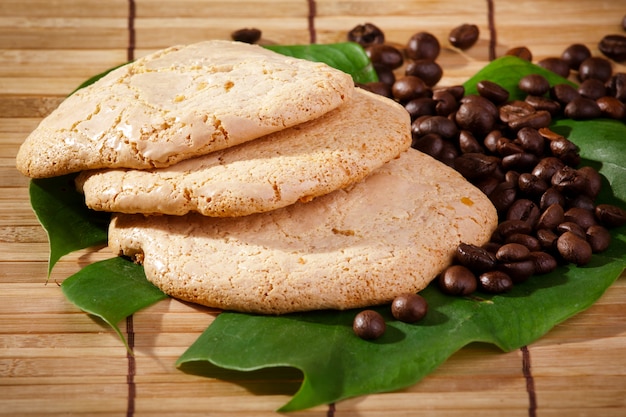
[250, 181]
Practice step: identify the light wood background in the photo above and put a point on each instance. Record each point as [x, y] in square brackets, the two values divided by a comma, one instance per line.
[57, 361]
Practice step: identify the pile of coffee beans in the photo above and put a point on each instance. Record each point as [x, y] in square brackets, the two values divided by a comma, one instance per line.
[544, 198]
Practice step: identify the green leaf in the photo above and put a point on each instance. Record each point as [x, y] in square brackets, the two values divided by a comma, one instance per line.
[112, 289]
[336, 364]
[507, 72]
[345, 56]
[61, 210]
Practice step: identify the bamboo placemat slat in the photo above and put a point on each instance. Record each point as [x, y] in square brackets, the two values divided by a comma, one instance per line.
[58, 361]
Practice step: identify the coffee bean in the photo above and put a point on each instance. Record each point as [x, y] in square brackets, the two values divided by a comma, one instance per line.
[511, 226]
[515, 110]
[492, 91]
[421, 106]
[464, 36]
[598, 237]
[247, 35]
[518, 271]
[423, 45]
[582, 108]
[531, 185]
[535, 120]
[512, 252]
[531, 242]
[446, 103]
[595, 67]
[575, 54]
[511, 176]
[611, 107]
[426, 69]
[547, 239]
[475, 117]
[366, 34]
[592, 88]
[610, 215]
[551, 196]
[503, 196]
[475, 165]
[431, 144]
[491, 140]
[386, 75]
[569, 181]
[468, 143]
[583, 218]
[582, 201]
[571, 227]
[409, 308]
[525, 210]
[521, 52]
[617, 86]
[557, 65]
[487, 185]
[378, 87]
[384, 56]
[534, 84]
[457, 280]
[475, 257]
[457, 91]
[563, 93]
[369, 324]
[522, 161]
[551, 217]
[565, 150]
[543, 262]
[530, 140]
[547, 167]
[614, 47]
[408, 88]
[574, 248]
[495, 282]
[440, 125]
[544, 103]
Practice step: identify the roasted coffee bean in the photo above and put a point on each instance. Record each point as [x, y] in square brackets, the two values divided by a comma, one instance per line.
[544, 103]
[518, 271]
[421, 106]
[505, 146]
[543, 262]
[592, 88]
[521, 52]
[503, 196]
[386, 75]
[531, 141]
[512, 226]
[522, 161]
[511, 176]
[582, 201]
[531, 242]
[583, 218]
[366, 34]
[423, 45]
[457, 91]
[525, 210]
[440, 125]
[547, 238]
[536, 120]
[408, 88]
[369, 324]
[531, 185]
[571, 227]
[426, 69]
[575, 54]
[569, 181]
[409, 308]
[384, 56]
[534, 84]
[611, 107]
[495, 282]
[475, 257]
[464, 36]
[468, 143]
[431, 144]
[617, 86]
[547, 167]
[565, 150]
[487, 185]
[491, 140]
[598, 237]
[514, 110]
[610, 215]
[457, 280]
[486, 104]
[614, 47]
[594, 181]
[563, 93]
[512, 252]
[448, 154]
[475, 117]
[557, 65]
[551, 196]
[551, 217]
[582, 108]
[475, 165]
[574, 249]
[446, 103]
[595, 67]
[247, 35]
[378, 87]
[492, 91]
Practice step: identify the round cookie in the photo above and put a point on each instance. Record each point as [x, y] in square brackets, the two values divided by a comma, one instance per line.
[178, 103]
[300, 163]
[388, 234]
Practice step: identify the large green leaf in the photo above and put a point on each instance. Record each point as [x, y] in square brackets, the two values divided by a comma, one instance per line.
[112, 289]
[62, 212]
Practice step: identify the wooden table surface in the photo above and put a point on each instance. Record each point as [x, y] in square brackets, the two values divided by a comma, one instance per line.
[56, 360]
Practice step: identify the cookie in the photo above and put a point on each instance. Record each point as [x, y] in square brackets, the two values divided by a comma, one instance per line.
[179, 103]
[296, 164]
[391, 233]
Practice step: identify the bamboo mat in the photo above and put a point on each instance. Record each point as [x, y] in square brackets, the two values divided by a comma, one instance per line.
[55, 360]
